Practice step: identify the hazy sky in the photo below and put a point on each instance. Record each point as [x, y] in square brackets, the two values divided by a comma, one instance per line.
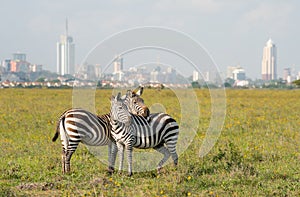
[233, 31]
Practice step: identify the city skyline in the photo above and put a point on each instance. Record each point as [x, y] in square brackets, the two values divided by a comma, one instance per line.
[233, 32]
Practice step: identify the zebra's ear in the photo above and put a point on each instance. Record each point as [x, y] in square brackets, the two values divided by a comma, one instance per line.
[118, 96]
[130, 93]
[112, 98]
[140, 91]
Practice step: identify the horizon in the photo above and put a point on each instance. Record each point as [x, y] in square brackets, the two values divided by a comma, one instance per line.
[233, 33]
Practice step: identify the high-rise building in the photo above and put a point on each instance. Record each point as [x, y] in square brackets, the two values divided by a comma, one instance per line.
[19, 63]
[269, 62]
[6, 64]
[98, 71]
[156, 75]
[118, 64]
[118, 69]
[65, 50]
[19, 56]
[286, 73]
[196, 76]
[170, 75]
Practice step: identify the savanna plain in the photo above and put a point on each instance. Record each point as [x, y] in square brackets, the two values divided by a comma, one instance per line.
[256, 154]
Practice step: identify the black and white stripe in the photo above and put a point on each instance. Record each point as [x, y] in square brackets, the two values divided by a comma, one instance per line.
[79, 125]
[159, 131]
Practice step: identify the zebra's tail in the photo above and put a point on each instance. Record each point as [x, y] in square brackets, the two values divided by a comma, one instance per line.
[57, 129]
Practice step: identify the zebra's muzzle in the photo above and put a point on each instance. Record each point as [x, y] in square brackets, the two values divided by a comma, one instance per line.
[145, 113]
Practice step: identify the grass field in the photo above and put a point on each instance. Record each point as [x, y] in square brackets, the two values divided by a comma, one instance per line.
[257, 153]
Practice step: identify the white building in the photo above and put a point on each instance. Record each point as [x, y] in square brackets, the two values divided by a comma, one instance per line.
[269, 61]
[236, 73]
[298, 76]
[230, 70]
[195, 75]
[118, 64]
[65, 51]
[98, 71]
[36, 68]
[156, 75]
[118, 73]
[170, 75]
[287, 75]
[206, 76]
[239, 74]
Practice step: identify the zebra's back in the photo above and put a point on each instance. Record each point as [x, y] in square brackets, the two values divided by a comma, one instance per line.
[79, 125]
[157, 129]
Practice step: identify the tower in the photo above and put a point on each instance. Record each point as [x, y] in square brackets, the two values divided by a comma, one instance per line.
[118, 64]
[65, 50]
[118, 68]
[269, 61]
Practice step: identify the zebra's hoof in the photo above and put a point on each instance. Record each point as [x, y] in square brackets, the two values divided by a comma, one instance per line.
[159, 170]
[110, 170]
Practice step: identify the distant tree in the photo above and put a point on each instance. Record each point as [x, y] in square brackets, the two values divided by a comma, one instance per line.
[41, 79]
[55, 81]
[22, 76]
[297, 83]
[195, 84]
[68, 76]
[107, 86]
[229, 82]
[227, 85]
[99, 84]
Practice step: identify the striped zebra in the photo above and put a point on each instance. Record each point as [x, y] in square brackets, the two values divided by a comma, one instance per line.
[159, 131]
[79, 125]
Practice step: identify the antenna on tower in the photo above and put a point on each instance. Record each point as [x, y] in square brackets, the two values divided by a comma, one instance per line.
[67, 27]
[158, 60]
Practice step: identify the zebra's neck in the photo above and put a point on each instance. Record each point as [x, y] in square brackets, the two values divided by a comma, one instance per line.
[117, 125]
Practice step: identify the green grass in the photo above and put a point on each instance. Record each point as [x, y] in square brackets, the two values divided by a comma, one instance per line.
[257, 153]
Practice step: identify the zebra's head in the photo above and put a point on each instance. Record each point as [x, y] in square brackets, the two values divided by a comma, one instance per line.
[135, 103]
[119, 111]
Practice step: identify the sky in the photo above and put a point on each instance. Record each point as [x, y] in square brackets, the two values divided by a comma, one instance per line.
[233, 32]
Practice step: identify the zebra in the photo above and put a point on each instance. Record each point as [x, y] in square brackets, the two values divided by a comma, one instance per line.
[79, 125]
[159, 131]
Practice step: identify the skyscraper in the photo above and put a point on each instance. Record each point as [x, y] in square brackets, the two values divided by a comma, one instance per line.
[65, 50]
[118, 64]
[269, 62]
[118, 68]
[196, 76]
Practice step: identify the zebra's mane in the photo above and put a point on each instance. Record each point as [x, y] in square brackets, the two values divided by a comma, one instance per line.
[123, 97]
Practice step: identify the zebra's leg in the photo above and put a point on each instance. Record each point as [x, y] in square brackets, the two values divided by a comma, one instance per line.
[69, 154]
[172, 150]
[175, 158]
[163, 150]
[113, 149]
[121, 156]
[129, 159]
[63, 161]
